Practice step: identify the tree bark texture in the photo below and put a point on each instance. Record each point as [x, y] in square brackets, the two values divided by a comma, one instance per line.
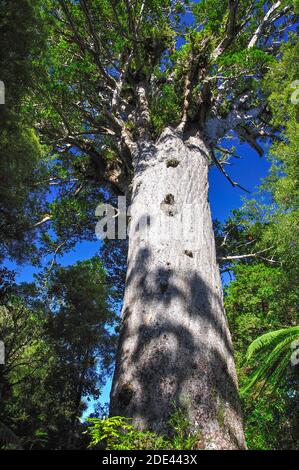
[175, 346]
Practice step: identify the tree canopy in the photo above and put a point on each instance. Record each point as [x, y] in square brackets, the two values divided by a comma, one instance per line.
[113, 74]
[88, 85]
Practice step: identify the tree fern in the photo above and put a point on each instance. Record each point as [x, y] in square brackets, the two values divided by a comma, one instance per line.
[274, 351]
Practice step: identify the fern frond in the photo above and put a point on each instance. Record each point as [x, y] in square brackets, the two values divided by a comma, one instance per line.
[267, 339]
[276, 349]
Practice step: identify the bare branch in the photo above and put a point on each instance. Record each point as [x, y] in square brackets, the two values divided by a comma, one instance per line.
[233, 183]
[247, 134]
[226, 235]
[250, 255]
[216, 128]
[56, 252]
[45, 219]
[227, 152]
[268, 19]
[115, 178]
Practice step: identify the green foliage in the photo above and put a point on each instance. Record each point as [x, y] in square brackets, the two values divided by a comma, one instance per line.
[60, 343]
[71, 56]
[21, 331]
[117, 433]
[275, 351]
[211, 13]
[61, 63]
[166, 109]
[108, 429]
[247, 58]
[279, 84]
[269, 340]
[271, 420]
[283, 177]
[21, 192]
[262, 300]
[179, 425]
[22, 37]
[255, 302]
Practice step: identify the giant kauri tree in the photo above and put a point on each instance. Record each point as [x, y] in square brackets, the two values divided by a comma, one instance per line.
[142, 95]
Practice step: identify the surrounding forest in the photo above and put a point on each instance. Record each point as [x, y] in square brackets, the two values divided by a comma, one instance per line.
[105, 98]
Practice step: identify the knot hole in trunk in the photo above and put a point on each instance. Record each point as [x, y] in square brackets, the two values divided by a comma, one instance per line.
[125, 394]
[172, 163]
[169, 199]
[166, 205]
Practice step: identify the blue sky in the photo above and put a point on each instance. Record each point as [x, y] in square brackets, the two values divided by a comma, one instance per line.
[247, 171]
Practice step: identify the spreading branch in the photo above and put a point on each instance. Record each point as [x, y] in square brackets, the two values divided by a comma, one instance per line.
[249, 255]
[46, 218]
[216, 128]
[269, 18]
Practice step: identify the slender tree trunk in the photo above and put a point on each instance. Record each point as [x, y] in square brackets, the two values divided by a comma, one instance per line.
[175, 345]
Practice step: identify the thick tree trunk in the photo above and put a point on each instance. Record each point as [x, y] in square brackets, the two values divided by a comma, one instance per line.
[175, 345]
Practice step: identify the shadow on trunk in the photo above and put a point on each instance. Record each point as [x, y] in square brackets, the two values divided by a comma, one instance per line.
[170, 365]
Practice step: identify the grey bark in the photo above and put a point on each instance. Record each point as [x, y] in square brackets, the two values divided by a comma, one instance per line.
[175, 346]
